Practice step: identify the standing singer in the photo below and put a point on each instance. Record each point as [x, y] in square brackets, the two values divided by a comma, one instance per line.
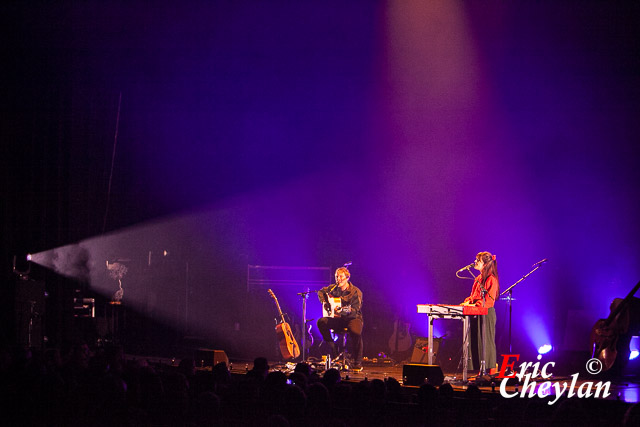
[484, 293]
[348, 316]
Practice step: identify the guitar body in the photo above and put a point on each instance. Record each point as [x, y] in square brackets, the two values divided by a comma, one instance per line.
[400, 339]
[288, 345]
[335, 305]
[604, 341]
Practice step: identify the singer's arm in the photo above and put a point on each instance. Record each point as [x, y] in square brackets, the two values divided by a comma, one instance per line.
[355, 301]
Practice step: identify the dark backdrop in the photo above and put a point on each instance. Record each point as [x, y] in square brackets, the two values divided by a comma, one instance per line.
[402, 136]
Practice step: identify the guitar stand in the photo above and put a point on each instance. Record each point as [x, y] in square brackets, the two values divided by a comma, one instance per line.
[343, 366]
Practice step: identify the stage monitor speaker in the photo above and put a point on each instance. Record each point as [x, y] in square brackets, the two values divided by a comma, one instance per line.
[418, 374]
[206, 358]
[421, 350]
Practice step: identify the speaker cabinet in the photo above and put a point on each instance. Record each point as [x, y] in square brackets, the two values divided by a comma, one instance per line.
[206, 358]
[421, 350]
[418, 374]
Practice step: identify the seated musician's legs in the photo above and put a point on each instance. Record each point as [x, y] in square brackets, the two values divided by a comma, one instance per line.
[354, 329]
[325, 324]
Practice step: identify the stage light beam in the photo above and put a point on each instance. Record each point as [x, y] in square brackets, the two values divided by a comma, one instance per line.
[544, 349]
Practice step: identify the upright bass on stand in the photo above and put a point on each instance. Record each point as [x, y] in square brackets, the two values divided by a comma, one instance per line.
[605, 333]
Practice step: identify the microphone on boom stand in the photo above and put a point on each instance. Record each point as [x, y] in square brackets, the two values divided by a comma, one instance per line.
[466, 267]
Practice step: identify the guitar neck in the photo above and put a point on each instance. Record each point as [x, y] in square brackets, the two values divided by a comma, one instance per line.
[277, 305]
[279, 311]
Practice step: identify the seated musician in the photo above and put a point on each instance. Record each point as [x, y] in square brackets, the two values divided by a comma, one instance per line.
[349, 316]
[625, 326]
[487, 280]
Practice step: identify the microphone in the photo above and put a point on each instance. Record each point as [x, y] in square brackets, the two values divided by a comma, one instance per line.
[540, 262]
[466, 267]
[347, 264]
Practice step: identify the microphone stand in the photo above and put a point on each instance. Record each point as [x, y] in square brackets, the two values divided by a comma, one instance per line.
[304, 296]
[468, 268]
[510, 298]
[483, 362]
[32, 315]
[481, 379]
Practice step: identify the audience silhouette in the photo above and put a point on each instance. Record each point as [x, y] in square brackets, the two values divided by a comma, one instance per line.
[84, 386]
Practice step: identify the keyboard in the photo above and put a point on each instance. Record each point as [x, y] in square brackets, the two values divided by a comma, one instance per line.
[452, 310]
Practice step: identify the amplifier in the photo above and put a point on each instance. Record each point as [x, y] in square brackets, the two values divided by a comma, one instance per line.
[421, 350]
[206, 358]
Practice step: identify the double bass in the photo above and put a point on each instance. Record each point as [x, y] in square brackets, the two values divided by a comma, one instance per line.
[605, 333]
[288, 344]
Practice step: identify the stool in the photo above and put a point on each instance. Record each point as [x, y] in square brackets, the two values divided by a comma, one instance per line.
[341, 346]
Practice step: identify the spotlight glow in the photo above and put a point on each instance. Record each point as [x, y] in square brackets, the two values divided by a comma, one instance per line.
[634, 346]
[544, 349]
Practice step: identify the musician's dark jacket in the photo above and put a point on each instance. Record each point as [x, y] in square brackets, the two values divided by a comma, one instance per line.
[352, 297]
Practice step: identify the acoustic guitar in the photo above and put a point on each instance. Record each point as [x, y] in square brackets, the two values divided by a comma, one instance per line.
[605, 333]
[288, 345]
[333, 307]
[400, 340]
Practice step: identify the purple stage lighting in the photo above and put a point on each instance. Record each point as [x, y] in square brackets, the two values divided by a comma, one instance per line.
[634, 346]
[544, 349]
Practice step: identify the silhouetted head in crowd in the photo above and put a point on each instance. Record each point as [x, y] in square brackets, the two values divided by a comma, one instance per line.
[378, 390]
[446, 391]
[427, 394]
[187, 367]
[318, 396]
[303, 368]
[261, 365]
[331, 377]
[275, 380]
[299, 379]
[632, 416]
[394, 389]
[473, 392]
[221, 374]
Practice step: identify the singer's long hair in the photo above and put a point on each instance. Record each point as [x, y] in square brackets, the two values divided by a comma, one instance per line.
[490, 267]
